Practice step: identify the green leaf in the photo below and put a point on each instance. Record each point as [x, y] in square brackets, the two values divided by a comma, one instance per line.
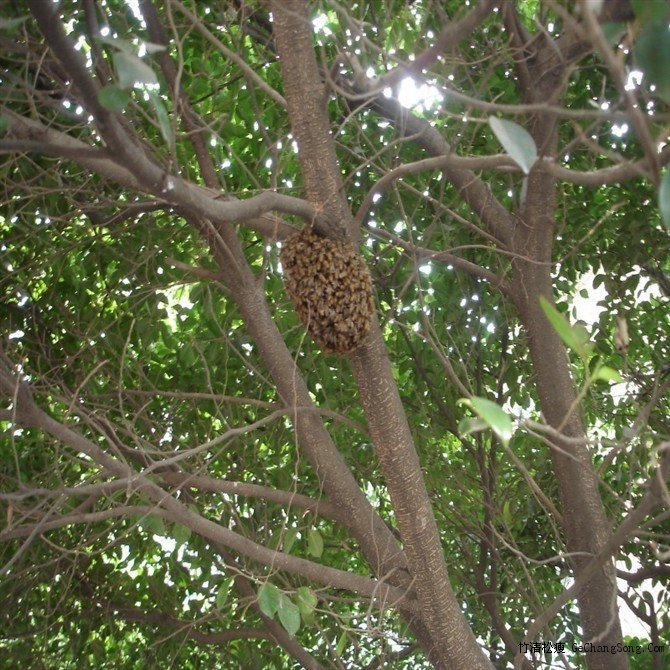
[575, 337]
[4, 123]
[188, 355]
[289, 614]
[152, 48]
[493, 415]
[306, 600]
[163, 119]
[275, 540]
[315, 543]
[128, 47]
[181, 533]
[507, 515]
[10, 25]
[341, 644]
[222, 594]
[613, 32]
[516, 141]
[664, 199]
[290, 537]
[118, 43]
[471, 424]
[113, 98]
[650, 10]
[268, 599]
[153, 524]
[607, 374]
[652, 54]
[131, 70]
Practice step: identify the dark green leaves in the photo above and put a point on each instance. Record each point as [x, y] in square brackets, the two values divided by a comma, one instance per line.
[652, 54]
[652, 46]
[647, 11]
[577, 338]
[181, 533]
[273, 601]
[153, 524]
[113, 98]
[613, 32]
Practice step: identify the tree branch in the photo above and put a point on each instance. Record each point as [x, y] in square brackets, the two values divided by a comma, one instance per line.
[470, 268]
[249, 74]
[175, 191]
[476, 193]
[449, 38]
[654, 497]
[30, 415]
[185, 627]
[595, 35]
[451, 638]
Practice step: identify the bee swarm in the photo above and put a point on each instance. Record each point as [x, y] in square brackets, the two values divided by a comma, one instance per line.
[331, 289]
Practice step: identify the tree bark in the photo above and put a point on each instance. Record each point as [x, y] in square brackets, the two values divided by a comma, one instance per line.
[453, 643]
[585, 523]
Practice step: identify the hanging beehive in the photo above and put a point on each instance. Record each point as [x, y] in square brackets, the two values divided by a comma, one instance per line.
[331, 289]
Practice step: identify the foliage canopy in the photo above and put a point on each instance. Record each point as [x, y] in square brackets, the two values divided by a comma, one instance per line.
[186, 479]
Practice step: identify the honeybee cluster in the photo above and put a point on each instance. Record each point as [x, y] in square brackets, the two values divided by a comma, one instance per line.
[331, 289]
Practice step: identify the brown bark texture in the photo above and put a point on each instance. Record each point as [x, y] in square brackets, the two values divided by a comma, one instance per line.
[586, 526]
[453, 643]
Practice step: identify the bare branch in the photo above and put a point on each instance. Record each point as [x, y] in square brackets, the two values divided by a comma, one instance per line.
[451, 35]
[470, 268]
[651, 500]
[176, 511]
[248, 72]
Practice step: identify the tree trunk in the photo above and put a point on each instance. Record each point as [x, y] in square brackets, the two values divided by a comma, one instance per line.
[586, 526]
[453, 643]
[584, 520]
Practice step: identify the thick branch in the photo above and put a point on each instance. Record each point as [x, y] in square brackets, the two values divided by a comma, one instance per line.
[452, 643]
[152, 177]
[175, 191]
